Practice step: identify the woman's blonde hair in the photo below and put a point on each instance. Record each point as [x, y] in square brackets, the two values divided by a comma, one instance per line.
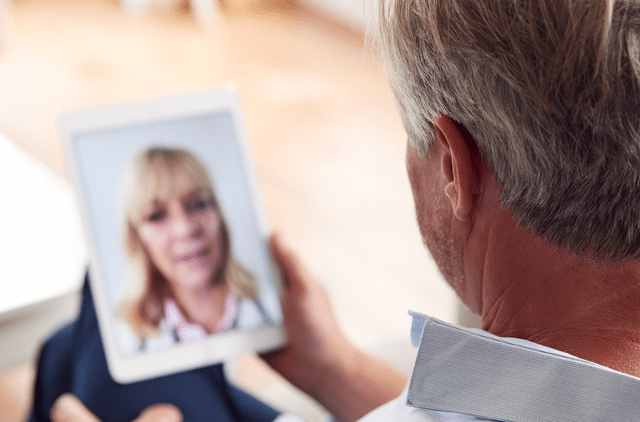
[153, 174]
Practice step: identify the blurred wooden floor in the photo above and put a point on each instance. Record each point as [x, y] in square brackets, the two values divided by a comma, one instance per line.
[328, 143]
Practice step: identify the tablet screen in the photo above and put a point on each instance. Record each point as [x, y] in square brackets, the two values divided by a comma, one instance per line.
[177, 232]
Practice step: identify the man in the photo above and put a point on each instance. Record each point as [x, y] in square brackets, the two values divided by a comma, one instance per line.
[523, 119]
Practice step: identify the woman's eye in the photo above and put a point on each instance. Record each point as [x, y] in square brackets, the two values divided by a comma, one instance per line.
[156, 216]
[197, 204]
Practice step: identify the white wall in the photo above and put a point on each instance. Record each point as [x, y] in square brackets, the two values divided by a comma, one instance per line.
[349, 12]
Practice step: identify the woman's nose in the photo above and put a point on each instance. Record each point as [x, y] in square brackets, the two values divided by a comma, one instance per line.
[183, 224]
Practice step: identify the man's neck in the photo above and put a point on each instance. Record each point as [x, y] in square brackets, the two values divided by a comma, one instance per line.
[590, 309]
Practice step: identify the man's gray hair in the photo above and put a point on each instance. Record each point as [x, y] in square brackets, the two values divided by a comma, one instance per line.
[550, 91]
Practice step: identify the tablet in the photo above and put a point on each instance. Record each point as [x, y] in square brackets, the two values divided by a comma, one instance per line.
[180, 268]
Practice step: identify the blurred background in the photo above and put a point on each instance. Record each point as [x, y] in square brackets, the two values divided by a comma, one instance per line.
[327, 141]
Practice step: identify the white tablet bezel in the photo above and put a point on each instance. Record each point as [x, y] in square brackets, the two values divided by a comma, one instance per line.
[184, 356]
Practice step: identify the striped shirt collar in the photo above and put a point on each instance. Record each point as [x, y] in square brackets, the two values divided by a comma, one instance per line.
[473, 372]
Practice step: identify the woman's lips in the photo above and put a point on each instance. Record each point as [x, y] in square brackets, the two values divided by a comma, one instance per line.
[194, 255]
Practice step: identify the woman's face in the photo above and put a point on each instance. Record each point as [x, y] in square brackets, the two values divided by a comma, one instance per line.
[182, 235]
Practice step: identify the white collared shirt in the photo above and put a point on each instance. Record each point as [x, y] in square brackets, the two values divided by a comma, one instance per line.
[466, 374]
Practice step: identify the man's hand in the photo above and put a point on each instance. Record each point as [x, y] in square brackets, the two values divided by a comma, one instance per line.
[318, 358]
[68, 408]
[316, 344]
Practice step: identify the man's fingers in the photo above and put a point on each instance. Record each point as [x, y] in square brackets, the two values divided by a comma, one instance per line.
[68, 408]
[289, 264]
[160, 413]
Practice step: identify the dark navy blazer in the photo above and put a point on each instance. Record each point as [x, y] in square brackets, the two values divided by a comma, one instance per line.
[73, 360]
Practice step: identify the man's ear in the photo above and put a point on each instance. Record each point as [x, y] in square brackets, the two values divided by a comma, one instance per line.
[458, 166]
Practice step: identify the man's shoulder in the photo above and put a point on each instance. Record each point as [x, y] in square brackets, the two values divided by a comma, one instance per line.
[398, 410]
[384, 412]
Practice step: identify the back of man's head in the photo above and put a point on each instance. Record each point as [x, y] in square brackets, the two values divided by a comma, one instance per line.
[550, 91]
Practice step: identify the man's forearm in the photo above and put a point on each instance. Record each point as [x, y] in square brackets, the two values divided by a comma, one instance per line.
[357, 384]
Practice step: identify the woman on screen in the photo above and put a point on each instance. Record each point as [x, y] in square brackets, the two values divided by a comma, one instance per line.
[187, 285]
